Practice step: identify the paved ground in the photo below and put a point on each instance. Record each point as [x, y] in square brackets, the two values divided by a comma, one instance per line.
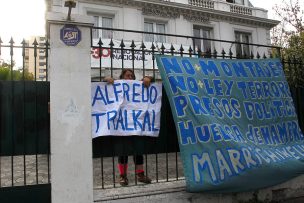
[36, 170]
[31, 174]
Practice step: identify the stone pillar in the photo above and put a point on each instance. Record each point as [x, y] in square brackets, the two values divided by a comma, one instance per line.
[70, 104]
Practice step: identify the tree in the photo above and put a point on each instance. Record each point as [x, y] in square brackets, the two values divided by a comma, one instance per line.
[289, 34]
[291, 13]
[292, 25]
[295, 46]
[5, 73]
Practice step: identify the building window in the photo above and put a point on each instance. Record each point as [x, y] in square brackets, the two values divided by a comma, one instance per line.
[42, 63]
[242, 49]
[156, 28]
[106, 22]
[41, 57]
[241, 2]
[41, 70]
[203, 44]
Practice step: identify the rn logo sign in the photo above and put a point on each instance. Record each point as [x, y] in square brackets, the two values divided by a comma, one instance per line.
[70, 35]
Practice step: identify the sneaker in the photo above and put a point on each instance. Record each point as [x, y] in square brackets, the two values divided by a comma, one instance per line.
[123, 180]
[142, 178]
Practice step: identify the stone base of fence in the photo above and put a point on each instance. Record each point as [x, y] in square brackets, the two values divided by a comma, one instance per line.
[289, 192]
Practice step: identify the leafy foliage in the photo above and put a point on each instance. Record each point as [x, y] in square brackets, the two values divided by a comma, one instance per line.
[5, 73]
[289, 34]
[292, 22]
[295, 46]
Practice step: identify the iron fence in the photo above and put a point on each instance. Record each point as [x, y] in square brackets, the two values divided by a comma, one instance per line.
[24, 122]
[162, 154]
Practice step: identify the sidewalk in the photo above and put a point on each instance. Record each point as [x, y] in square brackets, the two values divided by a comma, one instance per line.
[141, 192]
[24, 170]
[163, 190]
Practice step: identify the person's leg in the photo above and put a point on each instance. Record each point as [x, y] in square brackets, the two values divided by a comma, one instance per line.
[123, 165]
[139, 169]
[139, 163]
[123, 170]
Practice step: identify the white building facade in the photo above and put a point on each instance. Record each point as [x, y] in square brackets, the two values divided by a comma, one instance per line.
[217, 19]
[228, 20]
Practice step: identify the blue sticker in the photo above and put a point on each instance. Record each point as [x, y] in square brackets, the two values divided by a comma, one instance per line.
[70, 35]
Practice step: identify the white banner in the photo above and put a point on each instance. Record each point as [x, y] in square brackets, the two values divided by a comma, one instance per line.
[105, 54]
[125, 108]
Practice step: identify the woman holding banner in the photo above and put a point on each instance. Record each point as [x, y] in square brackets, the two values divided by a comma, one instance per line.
[128, 74]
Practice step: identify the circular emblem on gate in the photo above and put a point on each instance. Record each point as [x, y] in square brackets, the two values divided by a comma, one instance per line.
[70, 35]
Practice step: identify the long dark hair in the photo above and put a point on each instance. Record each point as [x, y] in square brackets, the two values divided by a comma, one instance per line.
[124, 72]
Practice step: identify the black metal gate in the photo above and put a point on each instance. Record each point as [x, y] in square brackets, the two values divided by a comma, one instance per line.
[24, 123]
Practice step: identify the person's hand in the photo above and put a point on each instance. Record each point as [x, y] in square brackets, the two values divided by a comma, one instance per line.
[147, 81]
[109, 80]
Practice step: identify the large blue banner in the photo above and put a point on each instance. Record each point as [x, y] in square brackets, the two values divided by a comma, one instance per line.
[236, 122]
